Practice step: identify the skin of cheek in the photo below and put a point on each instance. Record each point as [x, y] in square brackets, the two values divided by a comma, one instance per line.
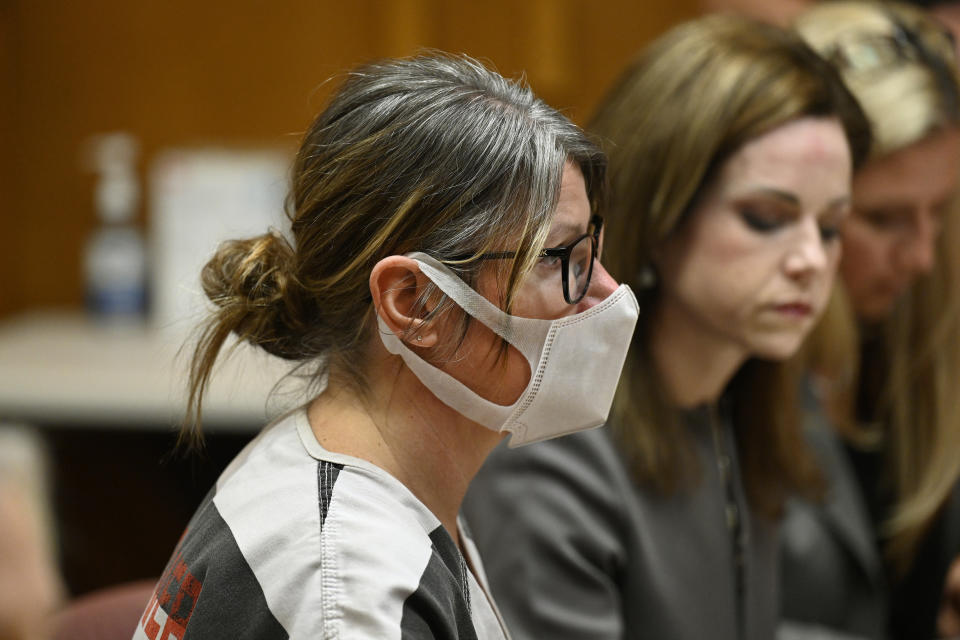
[866, 269]
[507, 372]
[786, 338]
[878, 266]
[733, 276]
[948, 620]
[778, 339]
[719, 276]
[730, 277]
[479, 360]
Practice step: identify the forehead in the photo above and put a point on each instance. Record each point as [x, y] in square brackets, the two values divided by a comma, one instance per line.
[573, 208]
[807, 154]
[923, 173]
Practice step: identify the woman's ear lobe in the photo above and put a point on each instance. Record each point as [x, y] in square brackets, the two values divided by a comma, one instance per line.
[421, 334]
[396, 284]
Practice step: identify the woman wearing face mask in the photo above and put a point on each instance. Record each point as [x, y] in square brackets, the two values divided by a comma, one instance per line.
[445, 234]
[874, 559]
[731, 147]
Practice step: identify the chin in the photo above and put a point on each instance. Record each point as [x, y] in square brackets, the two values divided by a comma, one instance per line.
[875, 310]
[777, 348]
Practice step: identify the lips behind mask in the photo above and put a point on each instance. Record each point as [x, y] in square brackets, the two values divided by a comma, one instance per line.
[575, 362]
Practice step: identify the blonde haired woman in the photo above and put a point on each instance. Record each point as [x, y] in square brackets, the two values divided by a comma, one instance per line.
[874, 559]
[731, 145]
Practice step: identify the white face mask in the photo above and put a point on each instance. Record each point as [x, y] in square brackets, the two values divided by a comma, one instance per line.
[575, 362]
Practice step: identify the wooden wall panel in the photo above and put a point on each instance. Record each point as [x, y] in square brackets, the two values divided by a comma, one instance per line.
[9, 266]
[179, 72]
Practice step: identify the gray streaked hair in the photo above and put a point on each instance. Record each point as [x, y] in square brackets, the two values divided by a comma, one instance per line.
[434, 153]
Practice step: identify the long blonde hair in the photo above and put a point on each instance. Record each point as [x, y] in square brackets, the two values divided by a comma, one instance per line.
[686, 104]
[907, 98]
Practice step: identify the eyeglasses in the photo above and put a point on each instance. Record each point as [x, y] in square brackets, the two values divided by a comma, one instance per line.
[935, 49]
[576, 260]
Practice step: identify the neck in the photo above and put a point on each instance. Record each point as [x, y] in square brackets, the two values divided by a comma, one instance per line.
[693, 361]
[402, 428]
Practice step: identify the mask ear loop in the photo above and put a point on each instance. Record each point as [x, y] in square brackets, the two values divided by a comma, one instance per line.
[526, 334]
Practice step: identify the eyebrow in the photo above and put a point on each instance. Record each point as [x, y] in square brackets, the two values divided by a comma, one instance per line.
[839, 203]
[565, 229]
[789, 198]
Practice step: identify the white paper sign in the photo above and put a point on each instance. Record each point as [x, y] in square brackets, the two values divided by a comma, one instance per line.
[198, 199]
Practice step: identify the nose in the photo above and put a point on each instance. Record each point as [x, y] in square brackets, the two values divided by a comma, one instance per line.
[919, 252]
[809, 256]
[602, 285]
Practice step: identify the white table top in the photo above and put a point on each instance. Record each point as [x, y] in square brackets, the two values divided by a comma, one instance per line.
[64, 369]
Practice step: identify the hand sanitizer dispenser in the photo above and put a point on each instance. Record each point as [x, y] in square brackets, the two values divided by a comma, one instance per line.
[115, 256]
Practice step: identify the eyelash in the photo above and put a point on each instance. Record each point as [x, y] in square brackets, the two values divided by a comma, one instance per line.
[759, 223]
[829, 233]
[549, 262]
[883, 220]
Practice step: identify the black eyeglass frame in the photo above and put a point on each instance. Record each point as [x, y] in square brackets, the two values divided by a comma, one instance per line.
[564, 253]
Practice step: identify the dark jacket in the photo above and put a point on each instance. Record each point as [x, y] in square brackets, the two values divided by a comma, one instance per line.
[575, 549]
[832, 574]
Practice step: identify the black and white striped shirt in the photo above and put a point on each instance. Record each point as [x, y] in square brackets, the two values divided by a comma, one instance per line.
[299, 542]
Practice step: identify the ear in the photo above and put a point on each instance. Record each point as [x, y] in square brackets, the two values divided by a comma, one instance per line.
[396, 283]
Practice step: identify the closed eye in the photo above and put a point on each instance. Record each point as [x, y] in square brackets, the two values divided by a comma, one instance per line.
[829, 232]
[762, 222]
[886, 220]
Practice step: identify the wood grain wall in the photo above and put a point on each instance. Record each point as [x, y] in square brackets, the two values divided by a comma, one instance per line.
[180, 72]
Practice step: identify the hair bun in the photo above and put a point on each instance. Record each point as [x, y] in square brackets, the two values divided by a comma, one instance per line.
[250, 281]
